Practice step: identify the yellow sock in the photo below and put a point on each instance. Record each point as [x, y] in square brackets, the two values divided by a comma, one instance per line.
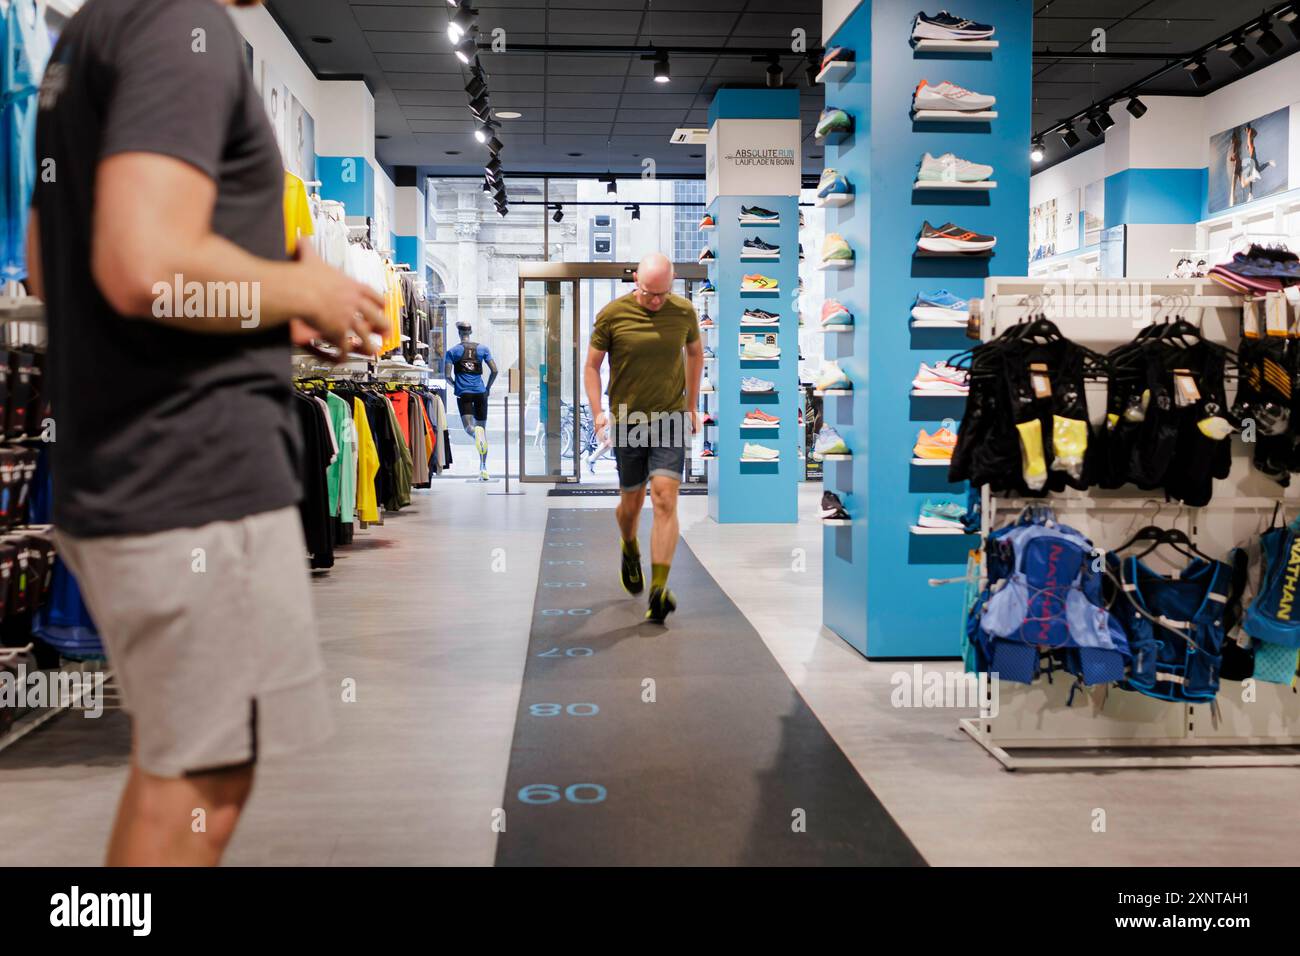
[631, 548]
[659, 575]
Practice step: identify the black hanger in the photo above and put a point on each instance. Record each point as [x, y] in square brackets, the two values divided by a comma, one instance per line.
[1175, 538]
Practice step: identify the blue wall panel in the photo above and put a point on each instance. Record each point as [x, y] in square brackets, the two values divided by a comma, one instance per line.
[876, 592]
[1155, 196]
[349, 180]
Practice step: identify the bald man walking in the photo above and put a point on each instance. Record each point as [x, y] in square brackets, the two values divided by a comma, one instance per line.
[652, 338]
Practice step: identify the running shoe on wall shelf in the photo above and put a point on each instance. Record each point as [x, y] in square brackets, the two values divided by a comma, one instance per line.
[760, 317]
[756, 248]
[944, 26]
[950, 98]
[835, 315]
[758, 216]
[951, 238]
[832, 121]
[757, 418]
[941, 379]
[935, 447]
[940, 306]
[950, 168]
[707, 222]
[757, 386]
[758, 283]
[754, 452]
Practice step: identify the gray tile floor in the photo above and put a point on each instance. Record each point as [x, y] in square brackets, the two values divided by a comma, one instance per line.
[429, 615]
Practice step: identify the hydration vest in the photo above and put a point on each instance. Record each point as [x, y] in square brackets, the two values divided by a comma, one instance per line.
[1044, 598]
[469, 363]
[1274, 615]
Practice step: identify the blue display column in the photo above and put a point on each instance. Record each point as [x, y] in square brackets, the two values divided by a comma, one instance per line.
[877, 568]
[753, 162]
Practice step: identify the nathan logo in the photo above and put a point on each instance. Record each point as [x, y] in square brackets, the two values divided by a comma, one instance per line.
[1286, 605]
[762, 157]
[133, 911]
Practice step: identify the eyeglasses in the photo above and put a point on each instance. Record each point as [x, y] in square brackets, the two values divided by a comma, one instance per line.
[653, 295]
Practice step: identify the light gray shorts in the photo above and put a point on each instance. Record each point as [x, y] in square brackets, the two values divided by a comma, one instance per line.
[211, 635]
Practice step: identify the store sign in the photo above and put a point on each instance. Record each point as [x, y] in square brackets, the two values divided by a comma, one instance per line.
[753, 158]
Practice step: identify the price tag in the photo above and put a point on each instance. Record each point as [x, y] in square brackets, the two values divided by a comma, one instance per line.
[1041, 381]
[1250, 318]
[1185, 390]
[1275, 314]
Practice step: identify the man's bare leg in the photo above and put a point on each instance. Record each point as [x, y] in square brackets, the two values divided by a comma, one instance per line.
[663, 543]
[628, 514]
[156, 822]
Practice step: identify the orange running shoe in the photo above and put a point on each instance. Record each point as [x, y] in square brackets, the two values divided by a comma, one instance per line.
[707, 222]
[758, 283]
[936, 447]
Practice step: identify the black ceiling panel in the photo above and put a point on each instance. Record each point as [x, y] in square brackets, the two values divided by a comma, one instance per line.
[608, 108]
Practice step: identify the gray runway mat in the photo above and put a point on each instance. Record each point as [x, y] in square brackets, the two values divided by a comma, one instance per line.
[727, 765]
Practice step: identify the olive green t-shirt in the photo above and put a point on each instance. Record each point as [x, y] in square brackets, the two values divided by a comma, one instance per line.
[647, 370]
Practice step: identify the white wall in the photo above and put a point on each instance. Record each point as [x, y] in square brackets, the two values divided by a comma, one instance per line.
[1075, 173]
[834, 13]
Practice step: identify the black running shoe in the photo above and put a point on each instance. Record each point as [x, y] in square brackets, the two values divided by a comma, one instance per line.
[832, 507]
[633, 580]
[662, 603]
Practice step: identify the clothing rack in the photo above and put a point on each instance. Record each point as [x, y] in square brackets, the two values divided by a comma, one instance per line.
[1034, 728]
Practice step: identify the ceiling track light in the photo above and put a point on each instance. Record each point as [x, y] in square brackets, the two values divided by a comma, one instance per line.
[811, 69]
[1094, 125]
[1241, 54]
[558, 216]
[1268, 40]
[1036, 151]
[775, 75]
[1136, 108]
[463, 21]
[662, 72]
[1200, 73]
[476, 86]
[481, 107]
[495, 146]
[1104, 119]
[466, 49]
[484, 132]
[1292, 19]
[1069, 136]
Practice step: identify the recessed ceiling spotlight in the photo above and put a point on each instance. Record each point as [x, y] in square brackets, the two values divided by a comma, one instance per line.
[697, 155]
[508, 114]
[453, 152]
[1036, 152]
[322, 39]
[381, 136]
[575, 154]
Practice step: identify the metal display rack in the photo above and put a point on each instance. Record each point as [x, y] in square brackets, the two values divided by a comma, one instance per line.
[1034, 727]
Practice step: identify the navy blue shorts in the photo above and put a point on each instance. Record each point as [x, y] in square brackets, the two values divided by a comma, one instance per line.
[642, 453]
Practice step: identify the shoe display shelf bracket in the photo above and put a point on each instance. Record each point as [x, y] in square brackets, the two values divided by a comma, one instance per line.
[951, 532]
[931, 462]
[834, 200]
[833, 392]
[954, 116]
[940, 323]
[834, 329]
[836, 71]
[954, 46]
[923, 184]
[1034, 727]
[835, 264]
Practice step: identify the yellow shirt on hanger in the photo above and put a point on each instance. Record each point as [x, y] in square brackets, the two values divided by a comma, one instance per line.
[297, 213]
[367, 464]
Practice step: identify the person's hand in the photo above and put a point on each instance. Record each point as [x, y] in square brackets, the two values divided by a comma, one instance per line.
[695, 421]
[602, 427]
[341, 306]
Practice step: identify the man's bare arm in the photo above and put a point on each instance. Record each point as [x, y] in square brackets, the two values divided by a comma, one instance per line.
[144, 237]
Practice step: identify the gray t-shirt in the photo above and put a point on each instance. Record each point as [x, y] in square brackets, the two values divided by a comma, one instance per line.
[158, 428]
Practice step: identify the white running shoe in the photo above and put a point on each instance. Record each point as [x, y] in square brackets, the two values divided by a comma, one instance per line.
[754, 452]
[949, 168]
[950, 97]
